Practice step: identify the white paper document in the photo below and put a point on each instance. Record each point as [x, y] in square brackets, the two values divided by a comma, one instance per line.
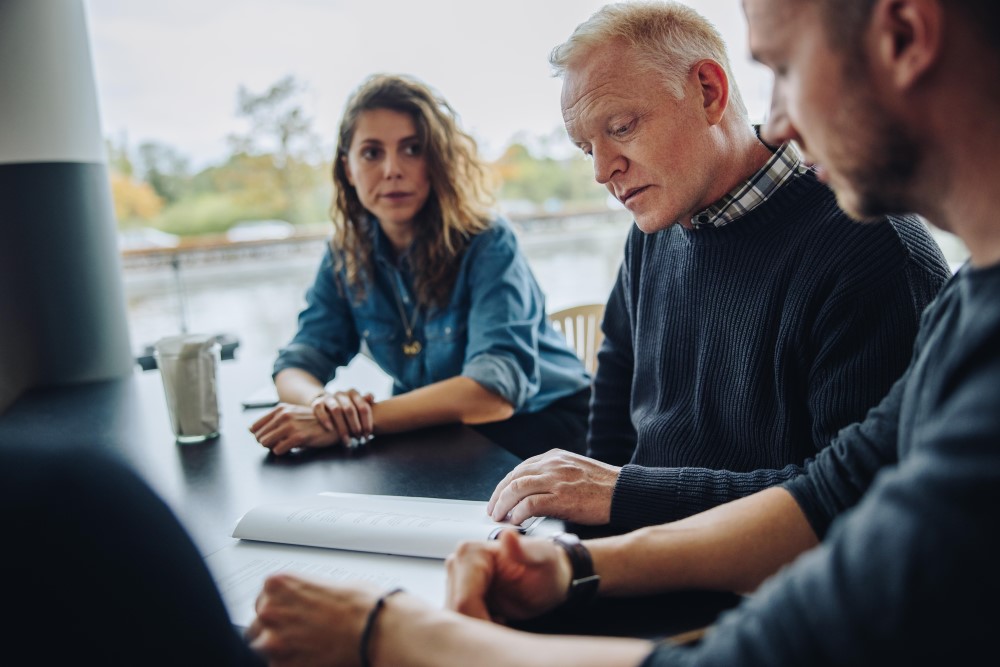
[342, 537]
[404, 526]
[241, 568]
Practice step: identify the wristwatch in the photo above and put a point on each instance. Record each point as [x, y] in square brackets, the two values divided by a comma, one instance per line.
[584, 582]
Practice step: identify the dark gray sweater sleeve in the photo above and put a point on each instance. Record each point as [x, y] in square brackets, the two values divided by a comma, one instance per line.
[908, 575]
[905, 578]
[840, 475]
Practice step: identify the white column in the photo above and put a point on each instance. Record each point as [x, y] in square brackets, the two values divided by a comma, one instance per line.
[62, 310]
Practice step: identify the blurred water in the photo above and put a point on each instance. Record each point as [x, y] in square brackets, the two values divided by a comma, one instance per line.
[258, 300]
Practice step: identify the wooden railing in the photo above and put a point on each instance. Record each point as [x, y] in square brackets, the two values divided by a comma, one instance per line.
[217, 248]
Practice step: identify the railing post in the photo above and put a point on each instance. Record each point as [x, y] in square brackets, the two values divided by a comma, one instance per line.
[175, 264]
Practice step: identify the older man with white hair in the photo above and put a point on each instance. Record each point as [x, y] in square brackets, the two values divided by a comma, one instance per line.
[752, 319]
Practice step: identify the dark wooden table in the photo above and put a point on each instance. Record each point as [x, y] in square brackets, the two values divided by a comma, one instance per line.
[210, 485]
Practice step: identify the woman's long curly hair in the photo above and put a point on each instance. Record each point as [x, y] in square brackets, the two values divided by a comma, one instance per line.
[459, 201]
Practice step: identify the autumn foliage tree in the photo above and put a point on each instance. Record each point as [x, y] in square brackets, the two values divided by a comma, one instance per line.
[134, 200]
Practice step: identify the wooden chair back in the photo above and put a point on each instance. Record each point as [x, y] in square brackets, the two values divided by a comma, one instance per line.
[582, 327]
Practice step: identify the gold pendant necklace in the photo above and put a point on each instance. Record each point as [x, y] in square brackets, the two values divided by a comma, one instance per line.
[411, 347]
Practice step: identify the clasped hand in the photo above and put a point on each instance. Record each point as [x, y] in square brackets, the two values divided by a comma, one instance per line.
[511, 578]
[557, 484]
[343, 416]
[303, 622]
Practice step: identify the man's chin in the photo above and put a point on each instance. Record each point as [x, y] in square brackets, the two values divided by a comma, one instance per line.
[650, 224]
[861, 207]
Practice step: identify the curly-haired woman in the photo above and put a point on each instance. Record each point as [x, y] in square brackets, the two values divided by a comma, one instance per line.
[434, 285]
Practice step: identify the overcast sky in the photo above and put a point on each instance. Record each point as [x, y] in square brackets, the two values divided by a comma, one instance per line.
[168, 71]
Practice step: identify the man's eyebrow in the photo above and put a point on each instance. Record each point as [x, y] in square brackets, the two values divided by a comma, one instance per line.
[579, 143]
[569, 135]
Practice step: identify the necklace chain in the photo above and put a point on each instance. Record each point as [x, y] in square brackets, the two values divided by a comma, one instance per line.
[411, 347]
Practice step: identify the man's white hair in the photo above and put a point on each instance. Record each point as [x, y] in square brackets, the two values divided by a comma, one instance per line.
[667, 37]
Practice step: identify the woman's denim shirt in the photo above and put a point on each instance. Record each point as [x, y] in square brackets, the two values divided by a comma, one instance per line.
[494, 329]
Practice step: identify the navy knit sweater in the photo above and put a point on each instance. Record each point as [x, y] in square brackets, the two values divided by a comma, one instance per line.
[734, 354]
[907, 504]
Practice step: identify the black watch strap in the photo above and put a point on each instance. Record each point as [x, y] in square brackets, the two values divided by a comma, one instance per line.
[584, 582]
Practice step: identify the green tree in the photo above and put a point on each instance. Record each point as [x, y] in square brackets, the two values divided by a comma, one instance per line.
[523, 176]
[166, 170]
[118, 156]
[279, 152]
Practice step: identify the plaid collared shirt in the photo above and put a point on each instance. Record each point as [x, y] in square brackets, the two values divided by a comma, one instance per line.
[785, 163]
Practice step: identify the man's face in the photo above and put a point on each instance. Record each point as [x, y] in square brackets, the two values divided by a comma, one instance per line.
[824, 99]
[649, 148]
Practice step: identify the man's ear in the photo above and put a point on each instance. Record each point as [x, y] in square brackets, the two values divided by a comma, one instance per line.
[907, 38]
[714, 85]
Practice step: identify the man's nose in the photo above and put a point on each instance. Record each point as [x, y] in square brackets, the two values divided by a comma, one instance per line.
[607, 162]
[779, 128]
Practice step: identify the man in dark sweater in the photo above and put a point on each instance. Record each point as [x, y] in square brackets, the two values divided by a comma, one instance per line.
[752, 319]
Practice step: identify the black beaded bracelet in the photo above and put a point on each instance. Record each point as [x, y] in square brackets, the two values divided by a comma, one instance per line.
[370, 625]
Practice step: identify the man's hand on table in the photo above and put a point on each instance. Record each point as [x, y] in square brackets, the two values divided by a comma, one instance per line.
[557, 484]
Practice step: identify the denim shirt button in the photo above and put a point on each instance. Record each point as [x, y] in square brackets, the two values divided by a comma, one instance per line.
[447, 330]
[365, 333]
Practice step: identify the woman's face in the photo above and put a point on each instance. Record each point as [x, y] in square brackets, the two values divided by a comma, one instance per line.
[386, 165]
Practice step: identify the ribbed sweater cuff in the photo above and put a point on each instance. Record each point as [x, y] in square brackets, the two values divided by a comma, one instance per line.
[648, 496]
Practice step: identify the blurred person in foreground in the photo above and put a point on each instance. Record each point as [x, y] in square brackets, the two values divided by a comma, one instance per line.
[752, 318]
[434, 285]
[883, 549]
[99, 570]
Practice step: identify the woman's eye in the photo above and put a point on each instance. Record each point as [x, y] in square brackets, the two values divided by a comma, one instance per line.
[369, 153]
[414, 150]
